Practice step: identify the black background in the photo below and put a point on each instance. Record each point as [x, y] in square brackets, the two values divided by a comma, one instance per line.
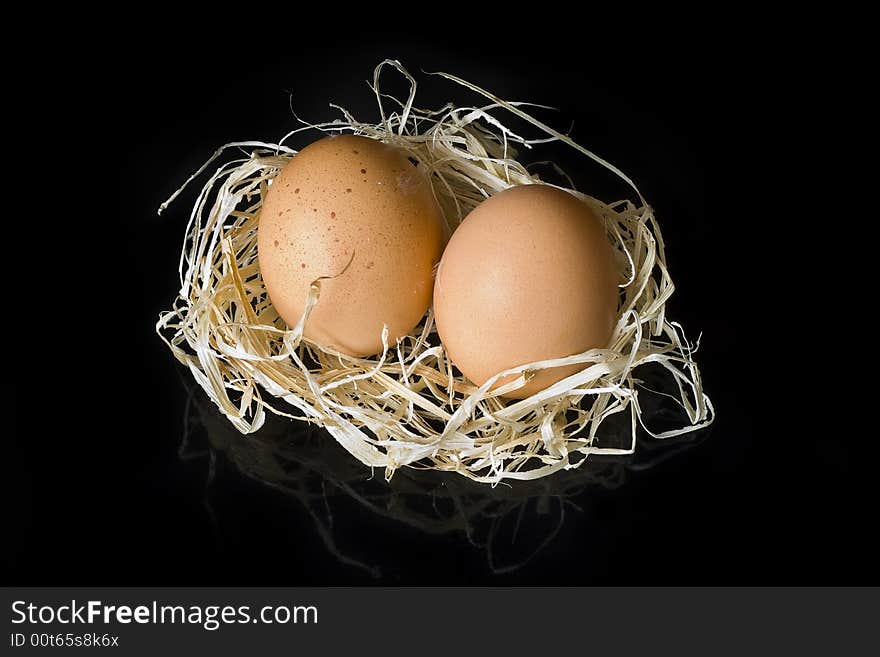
[100, 493]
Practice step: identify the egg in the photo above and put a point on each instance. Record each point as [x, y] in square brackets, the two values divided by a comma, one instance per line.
[528, 275]
[360, 212]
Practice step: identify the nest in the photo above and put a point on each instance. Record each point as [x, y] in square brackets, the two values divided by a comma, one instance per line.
[409, 406]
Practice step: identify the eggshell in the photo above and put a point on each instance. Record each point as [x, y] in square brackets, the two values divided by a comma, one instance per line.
[529, 275]
[359, 211]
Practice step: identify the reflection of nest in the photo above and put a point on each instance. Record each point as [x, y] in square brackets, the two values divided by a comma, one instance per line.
[301, 461]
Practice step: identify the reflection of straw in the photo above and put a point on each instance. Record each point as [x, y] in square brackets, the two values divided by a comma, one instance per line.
[519, 564]
[283, 457]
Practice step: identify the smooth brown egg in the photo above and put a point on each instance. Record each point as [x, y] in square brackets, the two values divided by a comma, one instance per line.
[529, 275]
[348, 201]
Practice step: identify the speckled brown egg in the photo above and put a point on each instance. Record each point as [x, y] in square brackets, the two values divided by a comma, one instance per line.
[359, 211]
[529, 275]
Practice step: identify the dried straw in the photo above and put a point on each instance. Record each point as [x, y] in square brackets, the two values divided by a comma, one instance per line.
[408, 406]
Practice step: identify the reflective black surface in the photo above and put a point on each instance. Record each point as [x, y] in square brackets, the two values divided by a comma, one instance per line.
[122, 474]
[359, 516]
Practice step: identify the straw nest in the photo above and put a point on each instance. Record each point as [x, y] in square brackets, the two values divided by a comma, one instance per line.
[409, 406]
